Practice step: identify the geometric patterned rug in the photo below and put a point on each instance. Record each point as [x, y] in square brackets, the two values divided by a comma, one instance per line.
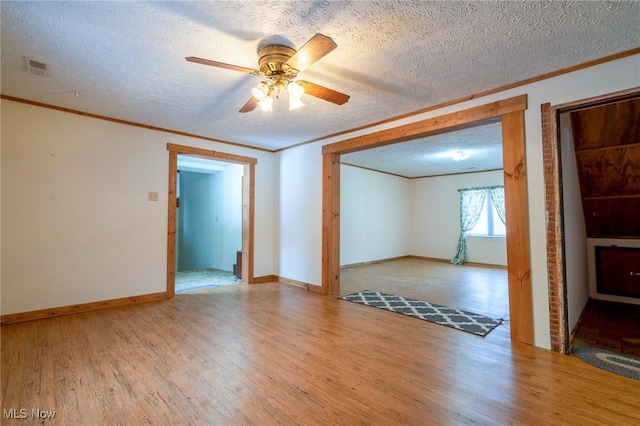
[454, 318]
[615, 362]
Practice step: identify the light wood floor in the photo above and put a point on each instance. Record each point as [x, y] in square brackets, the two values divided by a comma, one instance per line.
[476, 289]
[275, 354]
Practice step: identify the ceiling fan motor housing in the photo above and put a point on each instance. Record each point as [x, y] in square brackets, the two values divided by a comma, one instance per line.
[272, 60]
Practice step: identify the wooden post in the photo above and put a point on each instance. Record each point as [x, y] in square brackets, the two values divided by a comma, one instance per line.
[517, 211]
[248, 213]
[331, 224]
[171, 225]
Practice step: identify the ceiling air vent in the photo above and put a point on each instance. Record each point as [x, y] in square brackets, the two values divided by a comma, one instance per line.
[37, 67]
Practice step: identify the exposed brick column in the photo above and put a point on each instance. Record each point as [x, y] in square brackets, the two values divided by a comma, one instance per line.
[555, 267]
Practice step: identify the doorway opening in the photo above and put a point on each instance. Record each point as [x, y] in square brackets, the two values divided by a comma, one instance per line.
[511, 114]
[589, 204]
[209, 223]
[243, 258]
[400, 221]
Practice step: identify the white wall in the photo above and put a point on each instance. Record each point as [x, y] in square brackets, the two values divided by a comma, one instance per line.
[384, 216]
[575, 231]
[76, 223]
[209, 225]
[435, 218]
[195, 233]
[301, 255]
[230, 218]
[374, 215]
[300, 214]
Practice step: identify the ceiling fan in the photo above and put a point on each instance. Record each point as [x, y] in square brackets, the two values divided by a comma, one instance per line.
[280, 65]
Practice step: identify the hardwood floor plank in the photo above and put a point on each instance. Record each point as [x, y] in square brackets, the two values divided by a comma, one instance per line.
[276, 354]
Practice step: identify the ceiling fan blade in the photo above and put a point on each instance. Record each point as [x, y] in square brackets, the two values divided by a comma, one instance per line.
[250, 105]
[222, 65]
[323, 93]
[314, 49]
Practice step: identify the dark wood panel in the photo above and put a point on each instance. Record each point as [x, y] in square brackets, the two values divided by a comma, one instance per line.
[607, 125]
[618, 270]
[615, 217]
[614, 171]
[607, 147]
[609, 325]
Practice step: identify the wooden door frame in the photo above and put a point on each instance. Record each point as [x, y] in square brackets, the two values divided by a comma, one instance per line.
[248, 210]
[511, 113]
[558, 312]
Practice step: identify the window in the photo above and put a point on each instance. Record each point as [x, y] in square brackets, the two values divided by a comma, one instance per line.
[489, 223]
[481, 214]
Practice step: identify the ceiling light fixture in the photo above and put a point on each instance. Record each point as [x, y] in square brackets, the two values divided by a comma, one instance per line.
[459, 155]
[266, 91]
[263, 92]
[295, 95]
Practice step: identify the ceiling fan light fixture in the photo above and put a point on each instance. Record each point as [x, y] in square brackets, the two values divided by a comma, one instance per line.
[263, 92]
[295, 94]
[266, 104]
[279, 65]
[295, 103]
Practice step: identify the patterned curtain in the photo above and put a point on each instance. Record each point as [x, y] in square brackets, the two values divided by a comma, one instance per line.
[497, 196]
[471, 202]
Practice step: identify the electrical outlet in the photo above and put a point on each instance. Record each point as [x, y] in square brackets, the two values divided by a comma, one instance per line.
[153, 196]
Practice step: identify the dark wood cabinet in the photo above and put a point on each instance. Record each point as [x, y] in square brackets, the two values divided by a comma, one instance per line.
[618, 270]
[237, 268]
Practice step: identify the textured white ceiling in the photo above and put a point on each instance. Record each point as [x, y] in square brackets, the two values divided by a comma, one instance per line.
[126, 59]
[431, 156]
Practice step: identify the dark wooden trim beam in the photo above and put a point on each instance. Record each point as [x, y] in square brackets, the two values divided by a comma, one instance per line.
[207, 153]
[445, 123]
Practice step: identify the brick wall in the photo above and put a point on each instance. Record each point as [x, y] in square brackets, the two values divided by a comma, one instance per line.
[557, 318]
